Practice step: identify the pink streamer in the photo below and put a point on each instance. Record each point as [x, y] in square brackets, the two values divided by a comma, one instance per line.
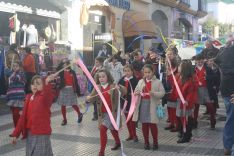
[124, 107]
[85, 70]
[134, 100]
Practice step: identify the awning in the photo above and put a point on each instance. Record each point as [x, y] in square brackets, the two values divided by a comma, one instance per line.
[101, 5]
[39, 7]
[137, 23]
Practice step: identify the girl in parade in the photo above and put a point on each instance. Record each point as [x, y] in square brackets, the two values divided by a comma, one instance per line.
[34, 123]
[15, 91]
[130, 82]
[69, 90]
[109, 90]
[172, 95]
[97, 66]
[203, 94]
[184, 111]
[150, 90]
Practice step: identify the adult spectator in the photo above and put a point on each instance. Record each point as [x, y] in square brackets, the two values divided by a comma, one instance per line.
[210, 51]
[137, 65]
[29, 68]
[225, 61]
[12, 56]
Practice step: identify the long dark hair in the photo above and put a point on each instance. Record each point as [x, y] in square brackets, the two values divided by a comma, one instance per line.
[186, 70]
[110, 78]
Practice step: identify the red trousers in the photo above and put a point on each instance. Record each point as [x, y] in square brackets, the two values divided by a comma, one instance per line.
[131, 127]
[154, 132]
[15, 114]
[172, 116]
[103, 137]
[210, 109]
[63, 109]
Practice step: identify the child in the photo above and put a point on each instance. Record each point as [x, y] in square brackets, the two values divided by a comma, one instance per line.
[150, 90]
[172, 96]
[188, 89]
[106, 84]
[34, 123]
[97, 66]
[129, 80]
[115, 68]
[137, 64]
[69, 90]
[213, 82]
[203, 95]
[15, 91]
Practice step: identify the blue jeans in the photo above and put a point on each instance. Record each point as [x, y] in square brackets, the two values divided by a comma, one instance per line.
[228, 133]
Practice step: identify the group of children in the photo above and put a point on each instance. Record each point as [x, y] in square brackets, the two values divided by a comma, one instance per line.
[182, 79]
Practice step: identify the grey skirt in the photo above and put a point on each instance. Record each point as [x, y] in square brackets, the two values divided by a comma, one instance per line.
[67, 97]
[16, 103]
[181, 113]
[203, 95]
[38, 145]
[145, 111]
[171, 104]
[106, 121]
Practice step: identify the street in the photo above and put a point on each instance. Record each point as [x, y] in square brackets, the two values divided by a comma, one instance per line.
[83, 139]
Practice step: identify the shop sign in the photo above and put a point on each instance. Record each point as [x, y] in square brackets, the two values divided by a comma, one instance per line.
[102, 42]
[124, 4]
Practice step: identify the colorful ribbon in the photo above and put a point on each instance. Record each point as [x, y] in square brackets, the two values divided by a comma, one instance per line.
[87, 73]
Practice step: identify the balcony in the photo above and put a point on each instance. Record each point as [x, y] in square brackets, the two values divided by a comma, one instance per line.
[184, 4]
[202, 8]
[171, 3]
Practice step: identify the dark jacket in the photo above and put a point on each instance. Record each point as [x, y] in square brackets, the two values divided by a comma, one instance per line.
[213, 82]
[128, 96]
[225, 61]
[75, 85]
[209, 53]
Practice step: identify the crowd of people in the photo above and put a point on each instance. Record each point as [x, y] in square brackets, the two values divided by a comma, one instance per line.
[157, 78]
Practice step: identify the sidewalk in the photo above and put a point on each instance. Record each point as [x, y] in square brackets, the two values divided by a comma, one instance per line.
[83, 139]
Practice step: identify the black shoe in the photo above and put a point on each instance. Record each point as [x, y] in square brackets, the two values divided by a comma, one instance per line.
[116, 147]
[95, 118]
[129, 139]
[195, 125]
[135, 139]
[80, 118]
[183, 140]
[155, 147]
[147, 147]
[212, 127]
[180, 135]
[169, 127]
[64, 122]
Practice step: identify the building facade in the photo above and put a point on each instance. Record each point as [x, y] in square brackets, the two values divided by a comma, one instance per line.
[178, 18]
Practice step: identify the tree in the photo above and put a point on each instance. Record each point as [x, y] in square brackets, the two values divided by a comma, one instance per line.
[208, 26]
[224, 29]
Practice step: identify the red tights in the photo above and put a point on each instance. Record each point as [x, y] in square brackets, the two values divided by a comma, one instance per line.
[15, 114]
[172, 116]
[154, 132]
[103, 137]
[63, 109]
[131, 127]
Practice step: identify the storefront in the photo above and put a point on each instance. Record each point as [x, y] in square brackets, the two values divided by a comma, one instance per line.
[36, 24]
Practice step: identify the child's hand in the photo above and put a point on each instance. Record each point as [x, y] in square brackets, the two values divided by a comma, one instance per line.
[88, 98]
[14, 140]
[117, 87]
[152, 93]
[137, 92]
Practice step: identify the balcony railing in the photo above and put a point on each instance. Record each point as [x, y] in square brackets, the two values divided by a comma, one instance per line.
[187, 2]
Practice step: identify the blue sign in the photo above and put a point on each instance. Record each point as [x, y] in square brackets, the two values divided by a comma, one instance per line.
[124, 4]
